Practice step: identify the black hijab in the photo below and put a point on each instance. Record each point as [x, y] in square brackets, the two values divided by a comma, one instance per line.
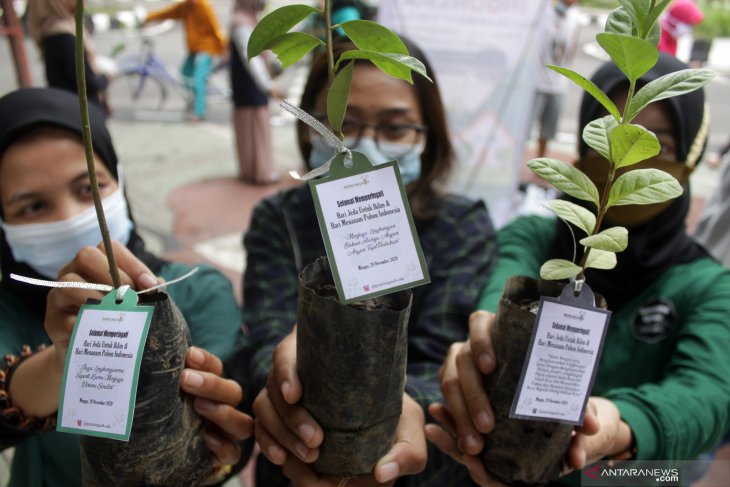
[662, 242]
[29, 108]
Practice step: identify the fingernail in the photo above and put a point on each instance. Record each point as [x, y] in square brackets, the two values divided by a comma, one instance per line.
[485, 361]
[197, 356]
[302, 450]
[193, 379]
[483, 420]
[276, 454]
[471, 442]
[206, 405]
[146, 280]
[285, 388]
[306, 432]
[212, 441]
[387, 472]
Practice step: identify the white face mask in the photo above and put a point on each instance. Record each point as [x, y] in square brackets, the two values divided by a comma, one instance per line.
[47, 247]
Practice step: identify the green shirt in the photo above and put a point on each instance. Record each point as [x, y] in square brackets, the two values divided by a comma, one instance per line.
[665, 362]
[206, 301]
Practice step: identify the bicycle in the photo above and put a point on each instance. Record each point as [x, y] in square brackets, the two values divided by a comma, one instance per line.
[143, 82]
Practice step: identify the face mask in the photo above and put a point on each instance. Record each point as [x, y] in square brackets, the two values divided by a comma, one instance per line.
[47, 247]
[409, 164]
[596, 168]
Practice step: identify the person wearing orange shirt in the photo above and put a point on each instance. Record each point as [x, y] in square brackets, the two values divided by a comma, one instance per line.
[204, 41]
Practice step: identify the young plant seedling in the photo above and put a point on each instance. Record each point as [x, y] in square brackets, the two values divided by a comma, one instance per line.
[374, 42]
[630, 39]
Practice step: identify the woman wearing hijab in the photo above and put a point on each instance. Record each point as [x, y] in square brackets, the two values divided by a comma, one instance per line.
[662, 387]
[49, 231]
[53, 28]
[251, 87]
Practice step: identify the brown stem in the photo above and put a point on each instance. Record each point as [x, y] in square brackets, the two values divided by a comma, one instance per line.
[328, 30]
[88, 146]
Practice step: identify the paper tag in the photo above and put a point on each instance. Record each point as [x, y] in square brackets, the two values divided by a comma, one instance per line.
[102, 367]
[561, 362]
[368, 229]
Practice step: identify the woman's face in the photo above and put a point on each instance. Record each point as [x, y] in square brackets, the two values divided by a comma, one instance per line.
[43, 178]
[377, 99]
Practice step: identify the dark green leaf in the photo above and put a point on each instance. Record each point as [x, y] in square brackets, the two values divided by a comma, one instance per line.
[371, 36]
[557, 269]
[293, 46]
[595, 134]
[601, 259]
[643, 187]
[337, 97]
[591, 88]
[614, 239]
[396, 65]
[631, 144]
[632, 56]
[638, 10]
[619, 21]
[566, 178]
[577, 215]
[667, 86]
[275, 24]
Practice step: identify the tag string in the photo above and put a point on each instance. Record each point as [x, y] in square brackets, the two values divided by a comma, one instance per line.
[97, 287]
[324, 132]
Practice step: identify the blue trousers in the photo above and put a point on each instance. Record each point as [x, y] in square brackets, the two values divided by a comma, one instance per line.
[195, 70]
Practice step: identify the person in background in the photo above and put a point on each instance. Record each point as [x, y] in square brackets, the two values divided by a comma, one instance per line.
[53, 28]
[662, 387]
[677, 21]
[386, 119]
[558, 49]
[204, 42]
[49, 231]
[713, 225]
[251, 86]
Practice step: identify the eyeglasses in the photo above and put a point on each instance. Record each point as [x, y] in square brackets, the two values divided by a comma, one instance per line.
[393, 139]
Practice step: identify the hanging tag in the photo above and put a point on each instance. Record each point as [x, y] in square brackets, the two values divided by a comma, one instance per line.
[561, 362]
[99, 384]
[368, 229]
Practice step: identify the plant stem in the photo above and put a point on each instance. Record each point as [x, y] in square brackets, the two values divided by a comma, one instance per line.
[328, 30]
[88, 147]
[629, 97]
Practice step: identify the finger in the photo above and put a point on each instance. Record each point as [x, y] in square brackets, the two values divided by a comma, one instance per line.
[480, 340]
[284, 368]
[591, 423]
[469, 440]
[442, 415]
[210, 386]
[478, 473]
[575, 459]
[443, 441]
[301, 474]
[235, 424]
[225, 451]
[408, 454]
[141, 275]
[471, 382]
[275, 426]
[92, 265]
[269, 447]
[200, 359]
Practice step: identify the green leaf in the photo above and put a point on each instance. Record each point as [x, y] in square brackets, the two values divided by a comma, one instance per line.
[396, 65]
[655, 13]
[637, 10]
[655, 33]
[557, 269]
[293, 46]
[337, 97]
[632, 56]
[591, 88]
[631, 144]
[575, 214]
[566, 178]
[667, 86]
[275, 24]
[601, 259]
[371, 36]
[596, 133]
[614, 239]
[620, 22]
[643, 187]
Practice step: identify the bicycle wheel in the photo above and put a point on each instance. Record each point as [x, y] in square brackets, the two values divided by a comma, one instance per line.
[137, 92]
